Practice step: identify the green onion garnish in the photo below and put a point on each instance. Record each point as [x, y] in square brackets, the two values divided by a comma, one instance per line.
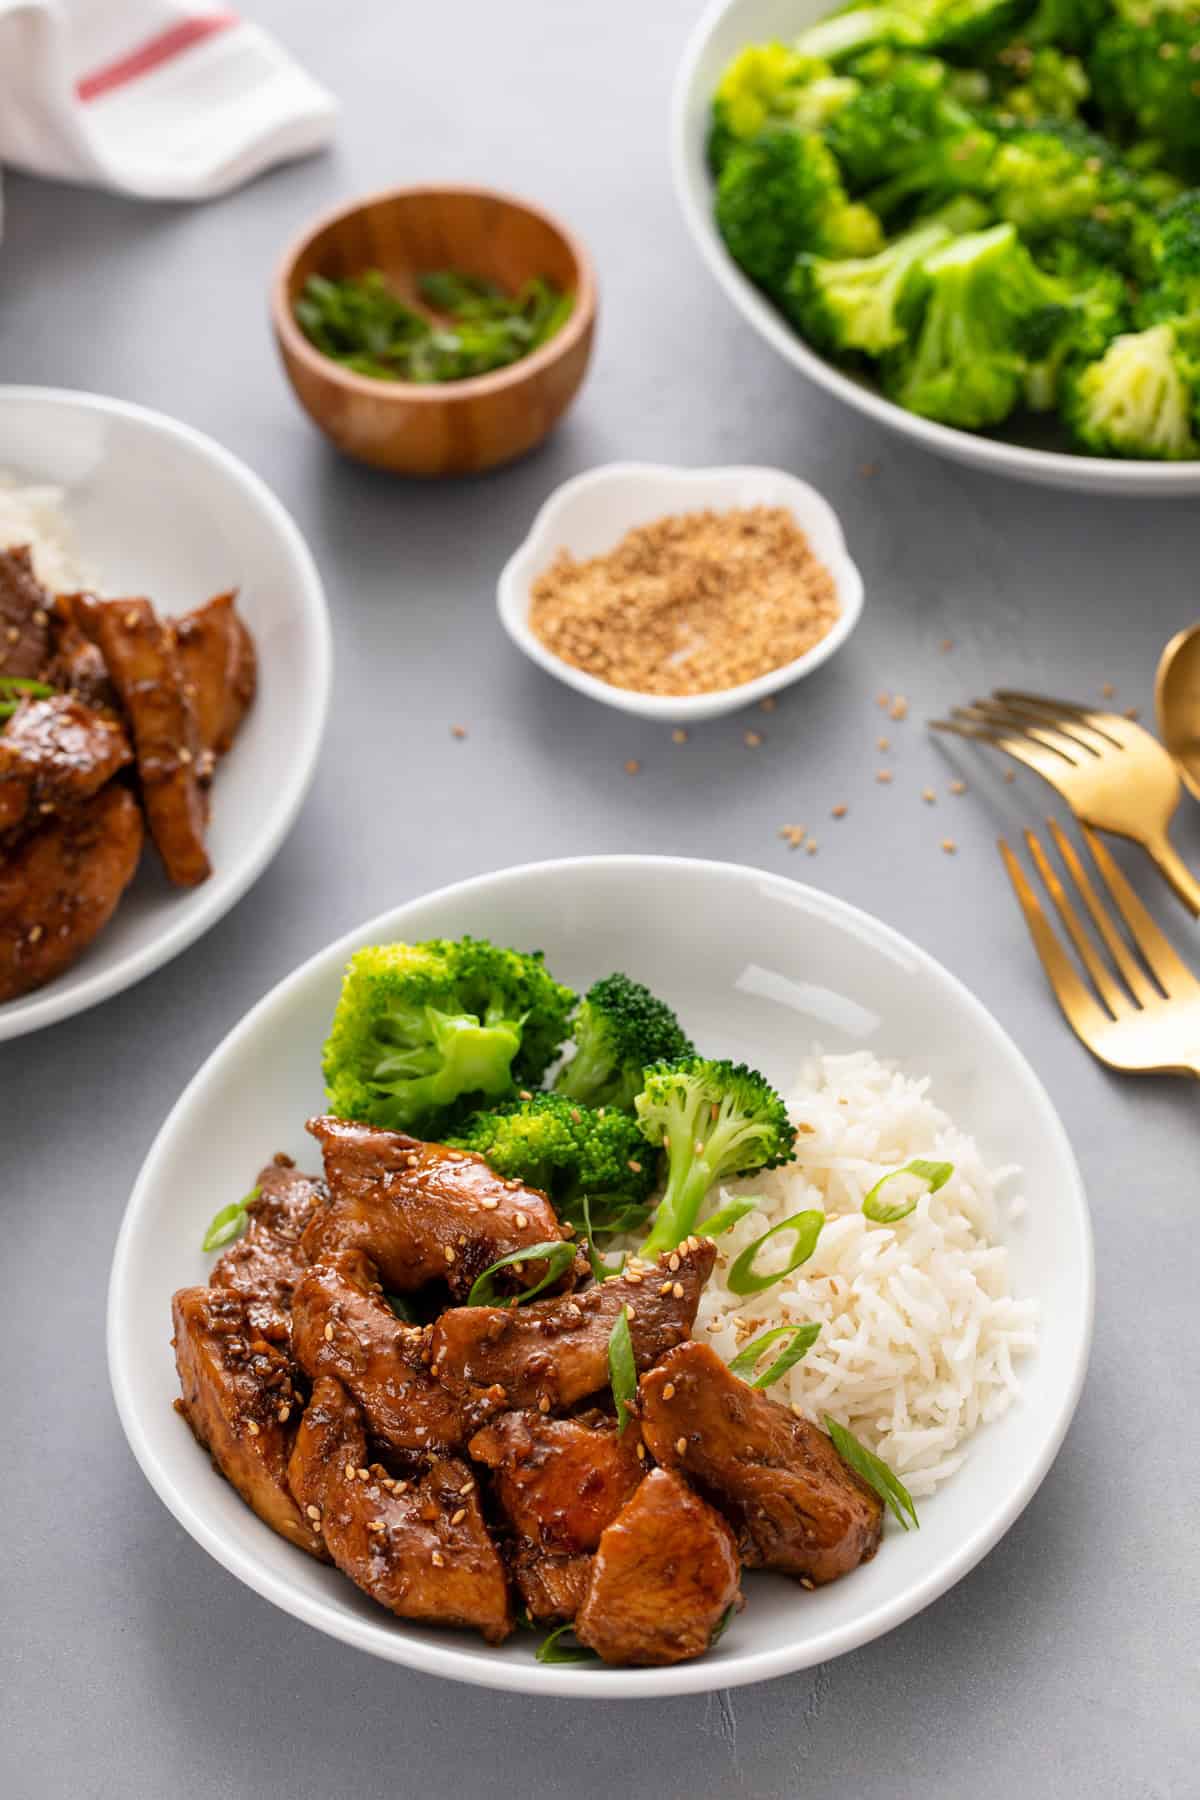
[875, 1473]
[803, 1337]
[807, 1227]
[622, 1369]
[229, 1223]
[23, 684]
[551, 1650]
[937, 1174]
[601, 1270]
[557, 1256]
[726, 1216]
[722, 1625]
[403, 1309]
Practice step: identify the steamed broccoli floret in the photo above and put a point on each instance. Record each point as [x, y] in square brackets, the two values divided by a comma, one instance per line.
[1144, 68]
[422, 1030]
[1138, 399]
[1173, 292]
[570, 1152]
[1035, 83]
[715, 1120]
[909, 137]
[771, 84]
[968, 309]
[1049, 175]
[1070, 24]
[780, 194]
[1093, 306]
[952, 25]
[619, 1030]
[850, 305]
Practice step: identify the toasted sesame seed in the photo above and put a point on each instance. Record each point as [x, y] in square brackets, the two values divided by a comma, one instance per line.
[664, 1290]
[47, 806]
[839, 811]
[449, 1253]
[314, 1512]
[883, 775]
[12, 634]
[1131, 712]
[364, 1474]
[679, 735]
[633, 1278]
[1010, 775]
[752, 739]
[681, 1446]
[677, 1290]
[947, 645]
[544, 1403]
[641, 1450]
[524, 1094]
[899, 708]
[882, 743]
[868, 469]
[131, 618]
[520, 1220]
[882, 698]
[329, 1334]
[376, 1525]
[628, 1310]
[458, 731]
[438, 1560]
[949, 846]
[251, 1427]
[456, 1518]
[673, 1261]
[794, 835]
[958, 787]
[767, 705]
[349, 1471]
[185, 755]
[489, 1205]
[468, 1487]
[807, 1582]
[633, 766]
[928, 796]
[576, 1116]
[399, 1487]
[40, 616]
[811, 847]
[668, 1392]
[284, 1414]
[35, 933]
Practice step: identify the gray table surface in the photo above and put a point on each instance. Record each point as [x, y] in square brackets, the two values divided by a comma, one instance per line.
[134, 1665]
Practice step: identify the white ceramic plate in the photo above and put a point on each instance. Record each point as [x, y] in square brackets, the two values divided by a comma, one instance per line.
[159, 509]
[758, 967]
[724, 28]
[591, 513]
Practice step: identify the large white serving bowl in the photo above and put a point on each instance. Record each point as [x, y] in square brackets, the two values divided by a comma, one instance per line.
[758, 967]
[159, 509]
[723, 29]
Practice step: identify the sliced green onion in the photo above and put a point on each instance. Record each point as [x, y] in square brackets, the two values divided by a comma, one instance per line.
[807, 1227]
[403, 1309]
[622, 1369]
[803, 1337]
[937, 1174]
[726, 1216]
[601, 1270]
[558, 1257]
[229, 1223]
[23, 684]
[722, 1625]
[551, 1650]
[875, 1473]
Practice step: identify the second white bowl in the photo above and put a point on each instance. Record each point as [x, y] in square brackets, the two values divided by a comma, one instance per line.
[591, 513]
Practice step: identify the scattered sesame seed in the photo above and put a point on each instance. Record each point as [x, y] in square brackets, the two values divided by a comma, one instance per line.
[185, 755]
[635, 1165]
[489, 1205]
[633, 766]
[677, 1290]
[664, 1290]
[811, 847]
[807, 1582]
[883, 698]
[524, 1094]
[668, 1392]
[1131, 712]
[364, 1474]
[794, 834]
[329, 1334]
[641, 1450]
[839, 811]
[958, 787]
[35, 933]
[349, 1471]
[928, 796]
[314, 1512]
[131, 618]
[898, 708]
[1010, 775]
[767, 705]
[458, 731]
[679, 735]
[949, 846]
[883, 776]
[576, 1116]
[673, 1263]
[284, 1414]
[468, 1487]
[449, 1253]
[1108, 690]
[251, 1427]
[12, 634]
[376, 1525]
[544, 1404]
[681, 1446]
[399, 1487]
[947, 645]
[633, 1278]
[882, 743]
[456, 1518]
[520, 1220]
[868, 469]
[752, 739]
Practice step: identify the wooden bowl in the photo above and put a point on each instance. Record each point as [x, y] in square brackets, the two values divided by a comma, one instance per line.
[443, 428]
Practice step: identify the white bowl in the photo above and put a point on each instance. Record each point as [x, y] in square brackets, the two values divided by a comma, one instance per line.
[724, 28]
[758, 967]
[591, 513]
[159, 509]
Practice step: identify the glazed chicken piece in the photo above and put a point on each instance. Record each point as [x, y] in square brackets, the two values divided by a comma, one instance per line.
[553, 1353]
[419, 1547]
[140, 652]
[220, 668]
[242, 1406]
[76, 666]
[55, 753]
[58, 889]
[551, 1588]
[793, 1502]
[24, 616]
[343, 1326]
[266, 1262]
[423, 1212]
[663, 1578]
[559, 1482]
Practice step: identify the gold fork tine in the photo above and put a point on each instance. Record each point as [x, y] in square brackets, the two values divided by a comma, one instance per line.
[1082, 1011]
[1135, 978]
[1082, 734]
[1035, 756]
[1041, 730]
[1107, 725]
[1110, 991]
[1168, 967]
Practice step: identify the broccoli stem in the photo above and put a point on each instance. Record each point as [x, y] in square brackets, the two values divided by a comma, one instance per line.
[697, 1157]
[585, 1074]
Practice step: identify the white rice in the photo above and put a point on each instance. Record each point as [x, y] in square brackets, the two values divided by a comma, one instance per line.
[920, 1329]
[37, 516]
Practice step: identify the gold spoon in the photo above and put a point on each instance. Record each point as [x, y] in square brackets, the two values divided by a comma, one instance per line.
[1177, 699]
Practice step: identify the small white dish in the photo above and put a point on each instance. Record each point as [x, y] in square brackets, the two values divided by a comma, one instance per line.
[722, 30]
[156, 508]
[591, 513]
[758, 967]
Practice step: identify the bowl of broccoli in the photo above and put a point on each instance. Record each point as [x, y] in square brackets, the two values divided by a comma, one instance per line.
[975, 221]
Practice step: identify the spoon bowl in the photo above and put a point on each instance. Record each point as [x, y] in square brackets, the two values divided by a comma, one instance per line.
[1177, 701]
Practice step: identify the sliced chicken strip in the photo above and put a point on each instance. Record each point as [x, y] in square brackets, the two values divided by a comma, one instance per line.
[267, 1261]
[54, 754]
[24, 616]
[220, 670]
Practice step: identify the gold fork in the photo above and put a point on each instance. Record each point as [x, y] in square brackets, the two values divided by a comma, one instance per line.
[1113, 774]
[1146, 1018]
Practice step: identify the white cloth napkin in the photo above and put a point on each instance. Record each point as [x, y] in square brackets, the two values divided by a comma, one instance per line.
[150, 97]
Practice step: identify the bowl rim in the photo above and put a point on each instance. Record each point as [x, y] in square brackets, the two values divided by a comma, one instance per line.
[434, 393]
[1111, 475]
[701, 1675]
[512, 592]
[52, 1004]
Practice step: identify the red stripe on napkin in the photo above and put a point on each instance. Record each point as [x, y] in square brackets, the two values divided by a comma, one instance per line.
[153, 52]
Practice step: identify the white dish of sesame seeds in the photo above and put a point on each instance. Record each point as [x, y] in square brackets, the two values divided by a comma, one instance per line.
[132, 502]
[589, 515]
[755, 965]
